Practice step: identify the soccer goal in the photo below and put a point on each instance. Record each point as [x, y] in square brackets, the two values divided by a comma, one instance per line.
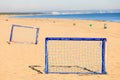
[75, 55]
[24, 34]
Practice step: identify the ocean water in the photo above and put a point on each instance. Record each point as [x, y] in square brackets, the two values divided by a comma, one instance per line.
[114, 17]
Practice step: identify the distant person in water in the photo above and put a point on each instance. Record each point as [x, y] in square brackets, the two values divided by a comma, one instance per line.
[105, 26]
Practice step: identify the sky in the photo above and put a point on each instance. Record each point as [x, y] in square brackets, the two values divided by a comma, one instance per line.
[52, 5]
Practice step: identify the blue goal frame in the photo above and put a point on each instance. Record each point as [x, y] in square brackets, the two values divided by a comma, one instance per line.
[103, 67]
[12, 30]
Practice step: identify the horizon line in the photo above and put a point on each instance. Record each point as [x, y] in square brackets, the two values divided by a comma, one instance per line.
[58, 10]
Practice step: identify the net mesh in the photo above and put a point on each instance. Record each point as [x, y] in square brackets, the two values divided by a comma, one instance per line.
[24, 35]
[74, 56]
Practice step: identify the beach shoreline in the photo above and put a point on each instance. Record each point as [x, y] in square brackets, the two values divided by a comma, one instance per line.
[111, 17]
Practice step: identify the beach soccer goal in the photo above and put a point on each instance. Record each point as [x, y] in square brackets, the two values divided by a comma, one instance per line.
[75, 55]
[24, 34]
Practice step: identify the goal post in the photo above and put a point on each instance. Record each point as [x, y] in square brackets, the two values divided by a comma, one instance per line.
[24, 34]
[75, 55]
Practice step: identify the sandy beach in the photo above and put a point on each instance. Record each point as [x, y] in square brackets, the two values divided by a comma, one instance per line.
[16, 59]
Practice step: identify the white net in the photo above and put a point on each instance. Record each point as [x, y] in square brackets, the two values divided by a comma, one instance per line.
[67, 56]
[24, 35]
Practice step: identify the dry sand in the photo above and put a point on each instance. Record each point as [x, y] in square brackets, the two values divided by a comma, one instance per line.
[16, 59]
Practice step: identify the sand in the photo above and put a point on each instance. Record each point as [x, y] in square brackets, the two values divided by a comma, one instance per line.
[17, 59]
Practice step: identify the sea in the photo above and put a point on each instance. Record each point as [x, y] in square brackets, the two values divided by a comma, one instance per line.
[80, 15]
